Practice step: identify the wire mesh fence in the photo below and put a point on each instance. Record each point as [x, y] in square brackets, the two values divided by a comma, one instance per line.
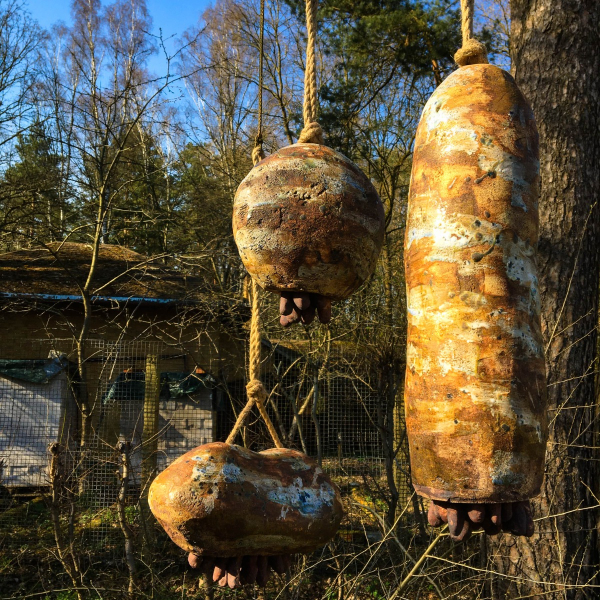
[73, 484]
[156, 401]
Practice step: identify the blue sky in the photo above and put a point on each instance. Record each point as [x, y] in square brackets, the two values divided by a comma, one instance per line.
[173, 16]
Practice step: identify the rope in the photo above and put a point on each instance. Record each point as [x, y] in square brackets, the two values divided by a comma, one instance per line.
[312, 132]
[472, 52]
[257, 394]
[258, 153]
[467, 9]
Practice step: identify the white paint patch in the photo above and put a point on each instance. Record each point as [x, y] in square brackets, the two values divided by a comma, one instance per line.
[298, 464]
[206, 471]
[528, 340]
[453, 233]
[519, 260]
[308, 501]
[415, 312]
[231, 473]
[208, 500]
[510, 168]
[455, 356]
[435, 114]
[417, 233]
[458, 139]
[416, 361]
[502, 470]
[318, 471]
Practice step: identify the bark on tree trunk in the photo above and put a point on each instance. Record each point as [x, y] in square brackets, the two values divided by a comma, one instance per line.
[556, 61]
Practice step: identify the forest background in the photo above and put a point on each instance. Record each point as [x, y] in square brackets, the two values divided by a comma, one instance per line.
[96, 147]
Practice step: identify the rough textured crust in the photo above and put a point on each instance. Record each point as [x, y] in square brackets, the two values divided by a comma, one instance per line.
[307, 219]
[475, 382]
[223, 500]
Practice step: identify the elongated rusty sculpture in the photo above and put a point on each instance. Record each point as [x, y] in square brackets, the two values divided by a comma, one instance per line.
[475, 380]
[220, 501]
[308, 223]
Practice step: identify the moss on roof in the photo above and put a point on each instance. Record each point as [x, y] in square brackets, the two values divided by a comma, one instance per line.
[58, 268]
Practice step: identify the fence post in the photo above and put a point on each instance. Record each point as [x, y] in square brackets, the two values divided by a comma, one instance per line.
[399, 427]
[315, 416]
[149, 441]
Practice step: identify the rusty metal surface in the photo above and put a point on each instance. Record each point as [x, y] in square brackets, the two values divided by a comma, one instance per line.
[307, 219]
[475, 380]
[223, 500]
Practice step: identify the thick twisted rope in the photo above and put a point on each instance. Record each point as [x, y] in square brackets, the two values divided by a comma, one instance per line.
[257, 394]
[312, 132]
[472, 52]
[258, 153]
[467, 9]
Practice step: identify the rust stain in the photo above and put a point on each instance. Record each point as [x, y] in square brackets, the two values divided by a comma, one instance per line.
[307, 219]
[475, 389]
[223, 500]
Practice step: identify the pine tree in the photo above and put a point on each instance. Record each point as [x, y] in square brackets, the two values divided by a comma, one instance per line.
[34, 203]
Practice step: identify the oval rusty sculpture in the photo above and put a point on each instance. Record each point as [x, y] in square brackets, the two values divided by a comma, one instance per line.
[475, 378]
[307, 219]
[223, 500]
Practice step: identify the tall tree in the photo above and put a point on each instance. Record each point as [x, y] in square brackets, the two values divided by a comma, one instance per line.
[219, 73]
[371, 47]
[101, 101]
[20, 37]
[32, 208]
[555, 49]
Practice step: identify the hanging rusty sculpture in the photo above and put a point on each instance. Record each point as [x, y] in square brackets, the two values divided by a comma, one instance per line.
[307, 221]
[220, 502]
[309, 224]
[475, 377]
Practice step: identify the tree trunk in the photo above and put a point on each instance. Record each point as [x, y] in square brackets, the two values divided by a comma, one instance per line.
[556, 61]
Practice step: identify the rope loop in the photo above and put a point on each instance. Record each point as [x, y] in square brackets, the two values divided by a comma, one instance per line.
[311, 134]
[257, 394]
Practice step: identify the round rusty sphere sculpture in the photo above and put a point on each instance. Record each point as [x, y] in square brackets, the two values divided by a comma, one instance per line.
[307, 219]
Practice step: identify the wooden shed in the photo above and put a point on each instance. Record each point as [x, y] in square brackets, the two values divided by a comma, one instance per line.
[154, 367]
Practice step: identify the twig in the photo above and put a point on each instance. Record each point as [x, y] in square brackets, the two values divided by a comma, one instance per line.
[123, 448]
[418, 564]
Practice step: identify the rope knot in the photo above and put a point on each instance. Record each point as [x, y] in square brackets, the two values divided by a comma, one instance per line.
[472, 52]
[311, 134]
[256, 391]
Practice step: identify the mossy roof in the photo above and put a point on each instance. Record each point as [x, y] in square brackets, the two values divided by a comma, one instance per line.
[58, 269]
